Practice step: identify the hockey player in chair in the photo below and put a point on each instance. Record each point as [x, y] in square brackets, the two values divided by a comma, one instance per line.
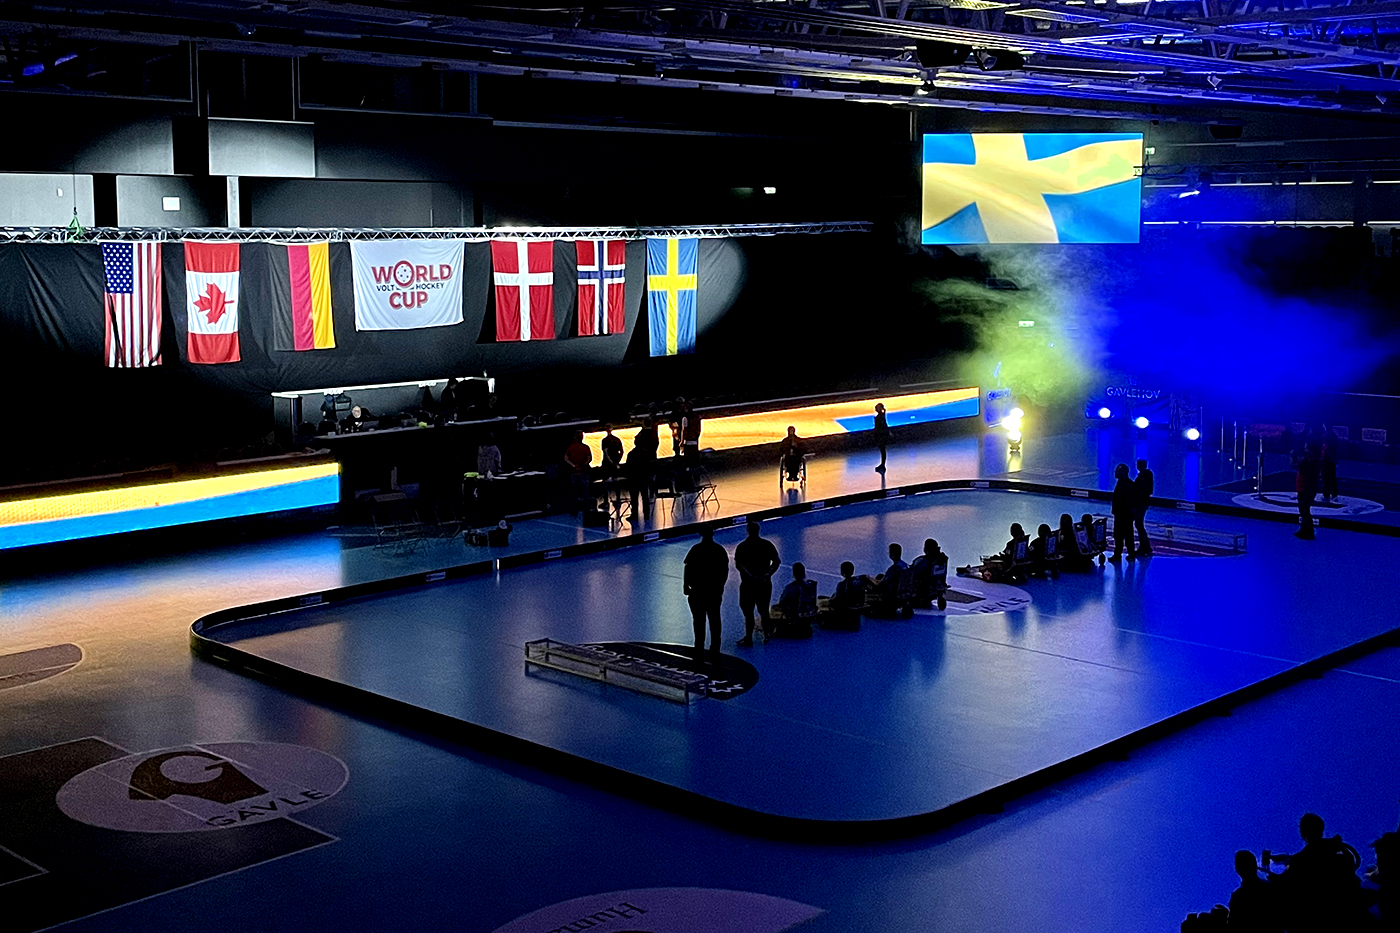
[796, 609]
[1012, 564]
[891, 594]
[841, 610]
[929, 574]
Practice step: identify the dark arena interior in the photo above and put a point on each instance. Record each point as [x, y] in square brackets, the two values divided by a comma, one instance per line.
[544, 467]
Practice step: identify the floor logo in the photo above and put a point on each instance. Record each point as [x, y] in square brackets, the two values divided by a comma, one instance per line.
[668, 910]
[729, 676]
[971, 596]
[1288, 502]
[25, 667]
[202, 787]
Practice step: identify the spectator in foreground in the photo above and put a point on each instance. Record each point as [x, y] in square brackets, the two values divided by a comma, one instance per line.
[1253, 906]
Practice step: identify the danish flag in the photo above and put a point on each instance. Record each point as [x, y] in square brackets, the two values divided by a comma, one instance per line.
[524, 278]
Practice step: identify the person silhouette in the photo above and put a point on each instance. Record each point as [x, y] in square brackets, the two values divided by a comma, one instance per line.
[1306, 485]
[757, 560]
[1254, 905]
[1320, 880]
[882, 434]
[1142, 497]
[1123, 505]
[706, 570]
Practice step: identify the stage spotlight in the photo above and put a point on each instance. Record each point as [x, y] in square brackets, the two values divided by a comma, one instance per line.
[1141, 422]
[1105, 414]
[1193, 434]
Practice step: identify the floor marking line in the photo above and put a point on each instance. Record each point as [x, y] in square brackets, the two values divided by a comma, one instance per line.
[1202, 644]
[37, 670]
[127, 784]
[233, 871]
[1048, 654]
[202, 746]
[1389, 680]
[39, 869]
[96, 738]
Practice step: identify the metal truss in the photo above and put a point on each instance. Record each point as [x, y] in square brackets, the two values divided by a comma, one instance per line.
[473, 234]
[1166, 58]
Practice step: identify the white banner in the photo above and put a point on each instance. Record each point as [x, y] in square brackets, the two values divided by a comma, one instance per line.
[406, 284]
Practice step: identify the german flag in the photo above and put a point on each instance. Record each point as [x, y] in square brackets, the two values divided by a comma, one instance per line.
[304, 321]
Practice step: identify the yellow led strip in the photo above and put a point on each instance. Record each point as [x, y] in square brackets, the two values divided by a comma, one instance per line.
[769, 427]
[154, 495]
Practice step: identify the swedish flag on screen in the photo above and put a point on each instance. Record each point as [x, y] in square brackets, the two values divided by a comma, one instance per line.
[1032, 188]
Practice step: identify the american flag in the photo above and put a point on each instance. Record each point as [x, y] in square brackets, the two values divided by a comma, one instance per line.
[131, 304]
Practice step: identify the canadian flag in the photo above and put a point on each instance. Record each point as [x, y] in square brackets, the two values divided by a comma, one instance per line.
[211, 301]
[524, 277]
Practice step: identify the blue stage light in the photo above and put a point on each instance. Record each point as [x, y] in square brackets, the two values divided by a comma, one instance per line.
[1193, 434]
[1105, 414]
[1141, 422]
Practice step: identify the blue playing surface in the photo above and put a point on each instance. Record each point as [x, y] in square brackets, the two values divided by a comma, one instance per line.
[901, 719]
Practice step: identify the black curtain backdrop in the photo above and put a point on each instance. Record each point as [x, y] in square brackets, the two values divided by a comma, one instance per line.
[777, 316]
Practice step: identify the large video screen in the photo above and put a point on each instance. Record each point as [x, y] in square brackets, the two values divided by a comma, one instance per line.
[1032, 188]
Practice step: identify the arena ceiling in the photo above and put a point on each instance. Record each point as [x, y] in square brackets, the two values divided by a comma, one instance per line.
[1132, 58]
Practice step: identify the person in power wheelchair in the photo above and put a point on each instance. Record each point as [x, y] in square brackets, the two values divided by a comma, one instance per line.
[1012, 564]
[796, 609]
[929, 576]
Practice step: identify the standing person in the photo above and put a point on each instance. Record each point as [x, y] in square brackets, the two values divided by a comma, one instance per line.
[612, 452]
[706, 570]
[756, 559]
[577, 457]
[447, 400]
[690, 432]
[1306, 484]
[675, 422]
[1142, 494]
[1123, 505]
[882, 434]
[1329, 466]
[488, 456]
[641, 464]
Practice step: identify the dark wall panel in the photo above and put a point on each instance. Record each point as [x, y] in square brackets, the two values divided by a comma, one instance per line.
[68, 135]
[264, 148]
[140, 201]
[324, 203]
[44, 200]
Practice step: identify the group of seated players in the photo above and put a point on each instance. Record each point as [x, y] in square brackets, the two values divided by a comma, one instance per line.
[1071, 546]
[892, 594]
[905, 587]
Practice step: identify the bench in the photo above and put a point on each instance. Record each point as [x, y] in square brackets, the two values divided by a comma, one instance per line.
[629, 673]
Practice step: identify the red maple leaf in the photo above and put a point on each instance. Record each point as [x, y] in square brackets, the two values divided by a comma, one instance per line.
[214, 303]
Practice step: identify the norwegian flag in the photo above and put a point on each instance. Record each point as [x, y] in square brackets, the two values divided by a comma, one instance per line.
[602, 267]
[131, 304]
[524, 278]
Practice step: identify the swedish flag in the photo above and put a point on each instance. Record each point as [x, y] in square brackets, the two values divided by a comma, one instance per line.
[1032, 188]
[672, 284]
